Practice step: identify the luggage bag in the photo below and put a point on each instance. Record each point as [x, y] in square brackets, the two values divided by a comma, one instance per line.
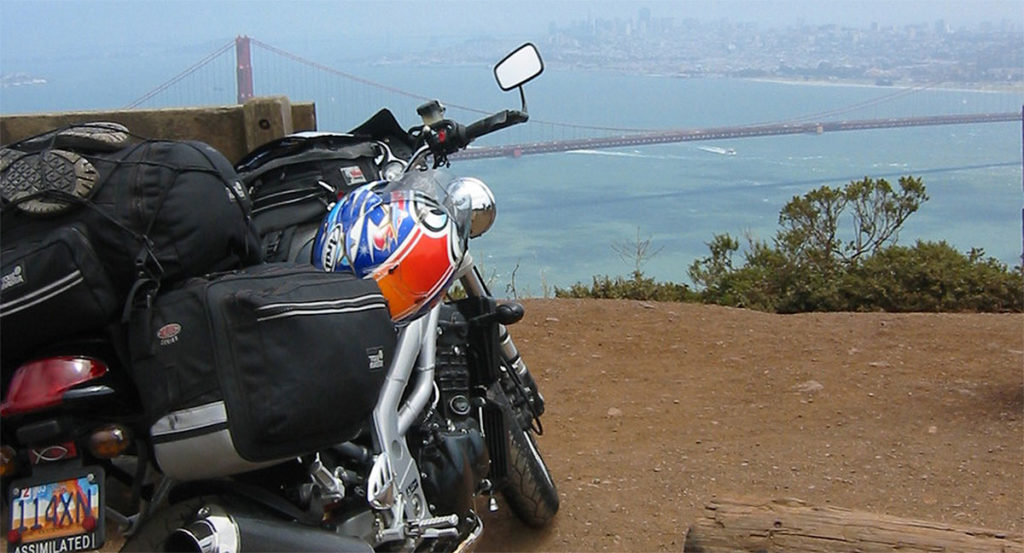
[295, 180]
[139, 215]
[266, 363]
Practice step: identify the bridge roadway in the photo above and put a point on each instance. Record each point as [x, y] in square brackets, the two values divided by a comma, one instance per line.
[717, 133]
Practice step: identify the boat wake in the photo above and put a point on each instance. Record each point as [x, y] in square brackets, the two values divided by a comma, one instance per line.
[717, 150]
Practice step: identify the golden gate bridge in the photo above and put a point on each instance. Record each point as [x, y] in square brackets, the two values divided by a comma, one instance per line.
[366, 95]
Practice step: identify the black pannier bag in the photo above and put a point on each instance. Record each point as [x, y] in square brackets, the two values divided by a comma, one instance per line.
[293, 180]
[262, 364]
[54, 286]
[152, 213]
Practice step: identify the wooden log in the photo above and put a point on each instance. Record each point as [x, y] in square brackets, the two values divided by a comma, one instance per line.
[793, 526]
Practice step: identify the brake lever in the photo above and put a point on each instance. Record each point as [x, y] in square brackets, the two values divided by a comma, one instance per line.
[434, 143]
[444, 137]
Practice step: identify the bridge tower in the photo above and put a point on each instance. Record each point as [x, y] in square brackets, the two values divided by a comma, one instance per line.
[243, 69]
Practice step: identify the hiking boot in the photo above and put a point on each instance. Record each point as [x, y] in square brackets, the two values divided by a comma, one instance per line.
[97, 136]
[24, 174]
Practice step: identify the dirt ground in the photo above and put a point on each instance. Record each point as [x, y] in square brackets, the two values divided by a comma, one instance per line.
[656, 408]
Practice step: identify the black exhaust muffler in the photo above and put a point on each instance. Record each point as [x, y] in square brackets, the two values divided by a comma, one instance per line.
[216, 531]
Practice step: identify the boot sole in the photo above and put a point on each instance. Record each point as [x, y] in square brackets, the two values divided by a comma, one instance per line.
[23, 175]
[97, 136]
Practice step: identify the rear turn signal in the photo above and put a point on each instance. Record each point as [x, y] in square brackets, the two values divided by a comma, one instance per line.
[8, 461]
[110, 441]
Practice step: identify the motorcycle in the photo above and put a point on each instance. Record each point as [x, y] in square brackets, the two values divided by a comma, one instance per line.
[455, 418]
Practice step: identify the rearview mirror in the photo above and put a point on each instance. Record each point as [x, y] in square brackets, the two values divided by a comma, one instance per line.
[519, 67]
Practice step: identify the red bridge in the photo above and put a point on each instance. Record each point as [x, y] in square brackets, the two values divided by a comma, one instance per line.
[334, 83]
[687, 135]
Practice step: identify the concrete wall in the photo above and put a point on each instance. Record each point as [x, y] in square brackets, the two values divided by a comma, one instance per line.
[234, 130]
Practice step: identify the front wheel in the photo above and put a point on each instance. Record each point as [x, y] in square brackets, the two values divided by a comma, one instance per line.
[530, 490]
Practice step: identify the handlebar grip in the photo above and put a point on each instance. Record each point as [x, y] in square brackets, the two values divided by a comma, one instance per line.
[495, 122]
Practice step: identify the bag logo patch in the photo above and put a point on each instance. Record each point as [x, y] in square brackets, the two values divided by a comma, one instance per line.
[168, 334]
[15, 278]
[353, 175]
[376, 358]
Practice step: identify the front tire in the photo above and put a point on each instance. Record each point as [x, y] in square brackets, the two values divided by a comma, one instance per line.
[530, 490]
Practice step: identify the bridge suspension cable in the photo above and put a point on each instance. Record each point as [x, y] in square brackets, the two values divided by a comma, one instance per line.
[333, 71]
[854, 107]
[180, 76]
[812, 117]
[406, 93]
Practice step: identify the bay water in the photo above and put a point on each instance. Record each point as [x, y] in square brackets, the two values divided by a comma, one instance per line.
[561, 215]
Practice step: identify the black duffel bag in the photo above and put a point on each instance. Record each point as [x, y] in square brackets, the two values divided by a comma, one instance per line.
[265, 363]
[293, 182]
[149, 213]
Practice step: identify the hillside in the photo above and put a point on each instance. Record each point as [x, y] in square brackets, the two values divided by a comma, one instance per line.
[656, 408]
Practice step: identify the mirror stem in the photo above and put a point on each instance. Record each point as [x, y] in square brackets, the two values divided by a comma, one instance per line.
[522, 98]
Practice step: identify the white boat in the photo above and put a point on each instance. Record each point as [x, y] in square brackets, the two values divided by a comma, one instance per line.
[717, 150]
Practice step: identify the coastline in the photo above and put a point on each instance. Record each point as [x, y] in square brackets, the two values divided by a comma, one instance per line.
[993, 87]
[952, 87]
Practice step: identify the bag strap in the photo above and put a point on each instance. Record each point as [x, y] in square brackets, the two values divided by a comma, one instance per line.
[210, 169]
[148, 271]
[148, 283]
[239, 200]
[63, 196]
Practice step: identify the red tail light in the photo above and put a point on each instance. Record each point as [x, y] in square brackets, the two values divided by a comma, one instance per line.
[42, 383]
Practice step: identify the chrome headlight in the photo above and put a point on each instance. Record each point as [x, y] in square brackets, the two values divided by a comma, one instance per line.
[474, 193]
[392, 170]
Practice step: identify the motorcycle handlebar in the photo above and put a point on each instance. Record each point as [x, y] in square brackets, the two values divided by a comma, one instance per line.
[495, 122]
[447, 137]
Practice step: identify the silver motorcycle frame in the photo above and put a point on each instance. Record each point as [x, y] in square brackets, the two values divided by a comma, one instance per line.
[394, 488]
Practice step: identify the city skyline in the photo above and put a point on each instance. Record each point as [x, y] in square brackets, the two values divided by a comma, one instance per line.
[48, 28]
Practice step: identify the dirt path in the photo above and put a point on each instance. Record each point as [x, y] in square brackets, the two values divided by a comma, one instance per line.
[654, 409]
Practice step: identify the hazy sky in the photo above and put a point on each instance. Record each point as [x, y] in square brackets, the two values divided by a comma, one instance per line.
[46, 27]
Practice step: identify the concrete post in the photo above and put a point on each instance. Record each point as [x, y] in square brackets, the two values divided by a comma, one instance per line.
[266, 118]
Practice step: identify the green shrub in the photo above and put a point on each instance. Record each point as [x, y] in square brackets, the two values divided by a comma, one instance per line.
[813, 265]
[810, 266]
[638, 287]
[933, 276]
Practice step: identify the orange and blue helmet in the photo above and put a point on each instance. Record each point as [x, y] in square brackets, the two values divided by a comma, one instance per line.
[403, 238]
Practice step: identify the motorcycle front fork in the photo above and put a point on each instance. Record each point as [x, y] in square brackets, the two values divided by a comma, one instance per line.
[474, 285]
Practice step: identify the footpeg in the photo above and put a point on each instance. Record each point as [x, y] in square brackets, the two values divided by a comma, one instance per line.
[434, 527]
[435, 522]
[330, 485]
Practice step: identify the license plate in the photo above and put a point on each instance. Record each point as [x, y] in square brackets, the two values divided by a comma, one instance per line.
[61, 512]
